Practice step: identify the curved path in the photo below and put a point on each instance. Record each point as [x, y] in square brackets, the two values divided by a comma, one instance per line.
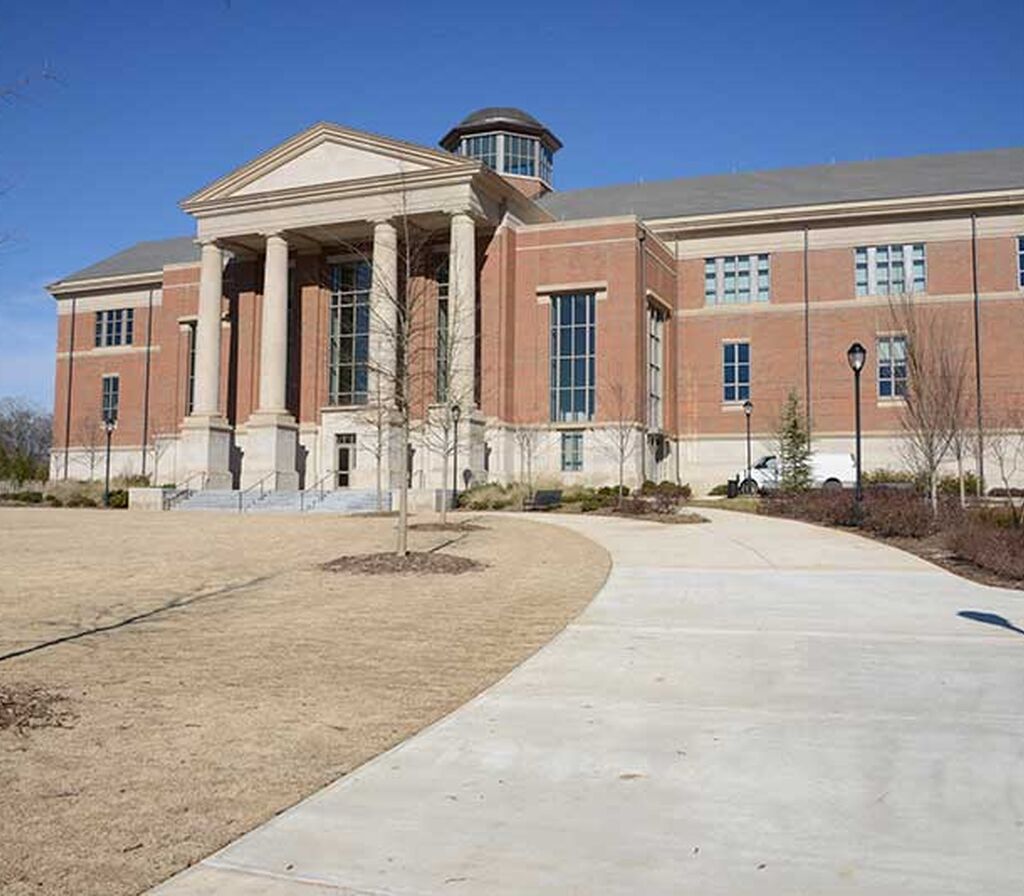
[752, 706]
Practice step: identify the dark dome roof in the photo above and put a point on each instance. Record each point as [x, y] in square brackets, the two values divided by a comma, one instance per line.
[495, 114]
[506, 118]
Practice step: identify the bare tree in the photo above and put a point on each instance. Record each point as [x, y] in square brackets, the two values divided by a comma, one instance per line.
[25, 436]
[378, 418]
[618, 439]
[90, 436]
[936, 398]
[526, 440]
[1006, 446]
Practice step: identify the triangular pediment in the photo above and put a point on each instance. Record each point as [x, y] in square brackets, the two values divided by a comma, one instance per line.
[325, 154]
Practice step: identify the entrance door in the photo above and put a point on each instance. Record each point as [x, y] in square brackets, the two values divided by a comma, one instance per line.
[345, 449]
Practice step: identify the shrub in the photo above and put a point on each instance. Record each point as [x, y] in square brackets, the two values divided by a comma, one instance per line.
[884, 476]
[995, 547]
[24, 497]
[895, 514]
[950, 485]
[722, 489]
[635, 506]
[648, 487]
[833, 508]
[669, 495]
[888, 514]
[79, 499]
[53, 501]
[591, 503]
[119, 498]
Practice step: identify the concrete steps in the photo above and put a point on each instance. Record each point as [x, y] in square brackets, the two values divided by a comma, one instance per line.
[339, 501]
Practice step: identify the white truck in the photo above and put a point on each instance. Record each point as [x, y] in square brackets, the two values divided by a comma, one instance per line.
[827, 471]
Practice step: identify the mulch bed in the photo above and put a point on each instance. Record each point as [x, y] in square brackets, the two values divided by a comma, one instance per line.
[23, 707]
[413, 563]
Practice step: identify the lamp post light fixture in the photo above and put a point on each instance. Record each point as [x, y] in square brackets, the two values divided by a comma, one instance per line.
[456, 413]
[748, 409]
[856, 355]
[109, 424]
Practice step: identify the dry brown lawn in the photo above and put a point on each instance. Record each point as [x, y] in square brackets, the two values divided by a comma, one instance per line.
[265, 678]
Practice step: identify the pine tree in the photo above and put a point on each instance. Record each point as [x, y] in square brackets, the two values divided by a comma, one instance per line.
[794, 447]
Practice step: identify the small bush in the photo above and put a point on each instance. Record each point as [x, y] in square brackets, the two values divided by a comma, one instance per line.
[833, 508]
[722, 489]
[591, 503]
[994, 547]
[635, 506]
[80, 500]
[649, 487]
[119, 498]
[24, 497]
[884, 476]
[53, 501]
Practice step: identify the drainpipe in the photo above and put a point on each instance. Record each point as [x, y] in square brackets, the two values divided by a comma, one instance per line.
[645, 372]
[145, 394]
[977, 353]
[71, 365]
[807, 336]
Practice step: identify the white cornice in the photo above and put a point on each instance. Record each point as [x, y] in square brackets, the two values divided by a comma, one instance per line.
[99, 284]
[837, 211]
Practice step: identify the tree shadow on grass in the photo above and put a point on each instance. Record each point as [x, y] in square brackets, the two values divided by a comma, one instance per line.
[990, 619]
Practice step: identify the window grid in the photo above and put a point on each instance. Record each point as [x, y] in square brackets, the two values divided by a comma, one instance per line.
[546, 163]
[572, 452]
[737, 279]
[735, 371]
[441, 359]
[520, 155]
[115, 327]
[349, 334]
[883, 270]
[572, 357]
[655, 363]
[892, 366]
[1020, 262]
[483, 147]
[111, 397]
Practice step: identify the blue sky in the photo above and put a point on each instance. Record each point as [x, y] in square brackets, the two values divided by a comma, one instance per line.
[149, 101]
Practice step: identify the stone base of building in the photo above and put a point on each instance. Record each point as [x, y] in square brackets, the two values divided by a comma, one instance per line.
[204, 453]
[271, 440]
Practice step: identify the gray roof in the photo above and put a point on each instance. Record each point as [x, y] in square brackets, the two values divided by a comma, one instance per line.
[934, 175]
[493, 114]
[141, 259]
[502, 118]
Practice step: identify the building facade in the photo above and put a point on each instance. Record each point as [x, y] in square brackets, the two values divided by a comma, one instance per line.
[344, 286]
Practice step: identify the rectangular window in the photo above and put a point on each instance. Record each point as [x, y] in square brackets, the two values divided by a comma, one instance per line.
[520, 155]
[545, 164]
[892, 366]
[483, 147]
[190, 396]
[572, 452]
[1020, 261]
[349, 333]
[115, 327]
[655, 366]
[111, 397]
[572, 357]
[735, 371]
[889, 270]
[441, 360]
[737, 279]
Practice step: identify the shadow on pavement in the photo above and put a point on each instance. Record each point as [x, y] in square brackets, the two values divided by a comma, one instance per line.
[990, 619]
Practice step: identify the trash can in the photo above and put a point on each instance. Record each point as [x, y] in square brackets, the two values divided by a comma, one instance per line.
[732, 487]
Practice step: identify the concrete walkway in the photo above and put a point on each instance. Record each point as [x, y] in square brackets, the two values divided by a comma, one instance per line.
[752, 706]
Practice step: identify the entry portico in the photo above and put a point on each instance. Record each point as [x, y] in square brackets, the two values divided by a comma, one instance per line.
[331, 190]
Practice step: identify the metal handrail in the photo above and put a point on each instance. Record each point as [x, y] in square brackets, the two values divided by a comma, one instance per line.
[258, 484]
[186, 491]
[317, 486]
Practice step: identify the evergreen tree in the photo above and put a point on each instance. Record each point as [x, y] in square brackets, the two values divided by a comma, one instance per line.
[794, 450]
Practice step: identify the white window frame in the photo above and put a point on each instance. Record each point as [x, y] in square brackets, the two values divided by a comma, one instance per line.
[114, 326]
[737, 384]
[866, 258]
[886, 357]
[572, 451]
[752, 265]
[110, 397]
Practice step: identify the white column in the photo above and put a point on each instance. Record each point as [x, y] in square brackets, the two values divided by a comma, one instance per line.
[383, 312]
[462, 309]
[205, 448]
[274, 336]
[207, 386]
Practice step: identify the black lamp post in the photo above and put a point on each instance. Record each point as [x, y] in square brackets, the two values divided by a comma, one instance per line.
[109, 424]
[748, 409]
[456, 413]
[856, 355]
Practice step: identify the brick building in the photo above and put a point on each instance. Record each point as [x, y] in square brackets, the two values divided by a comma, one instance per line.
[573, 330]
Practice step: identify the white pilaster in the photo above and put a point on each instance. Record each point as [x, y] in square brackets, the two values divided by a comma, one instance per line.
[205, 434]
[383, 313]
[271, 433]
[462, 310]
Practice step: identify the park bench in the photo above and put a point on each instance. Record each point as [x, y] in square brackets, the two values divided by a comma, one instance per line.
[543, 499]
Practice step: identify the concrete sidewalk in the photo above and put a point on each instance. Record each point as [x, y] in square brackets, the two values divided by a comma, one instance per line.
[751, 706]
